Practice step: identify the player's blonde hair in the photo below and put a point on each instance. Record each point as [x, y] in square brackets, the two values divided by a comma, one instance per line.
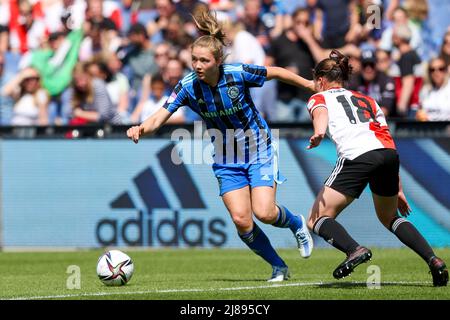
[213, 38]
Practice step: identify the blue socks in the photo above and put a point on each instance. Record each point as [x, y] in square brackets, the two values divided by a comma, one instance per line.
[258, 242]
[287, 219]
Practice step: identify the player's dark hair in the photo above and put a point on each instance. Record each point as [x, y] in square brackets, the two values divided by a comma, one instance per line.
[336, 68]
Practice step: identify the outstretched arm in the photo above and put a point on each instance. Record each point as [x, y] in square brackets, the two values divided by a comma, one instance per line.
[289, 77]
[150, 125]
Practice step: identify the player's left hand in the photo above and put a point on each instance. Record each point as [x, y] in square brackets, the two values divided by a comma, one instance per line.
[315, 140]
[403, 206]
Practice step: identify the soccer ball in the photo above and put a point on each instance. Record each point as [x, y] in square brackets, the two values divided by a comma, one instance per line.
[115, 268]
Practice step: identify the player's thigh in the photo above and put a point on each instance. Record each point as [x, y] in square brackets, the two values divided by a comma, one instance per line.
[386, 208]
[385, 179]
[329, 203]
[230, 177]
[264, 203]
[238, 204]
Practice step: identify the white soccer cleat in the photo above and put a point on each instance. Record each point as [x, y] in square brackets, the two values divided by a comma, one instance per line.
[304, 239]
[279, 274]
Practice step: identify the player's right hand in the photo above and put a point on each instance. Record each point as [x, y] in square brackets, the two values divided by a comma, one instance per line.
[403, 206]
[315, 140]
[134, 133]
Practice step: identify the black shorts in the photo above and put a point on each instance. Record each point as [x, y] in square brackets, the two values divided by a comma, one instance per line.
[379, 168]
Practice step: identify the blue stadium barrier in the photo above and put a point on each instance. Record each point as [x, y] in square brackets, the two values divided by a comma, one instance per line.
[102, 193]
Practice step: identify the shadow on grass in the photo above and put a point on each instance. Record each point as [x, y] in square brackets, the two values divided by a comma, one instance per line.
[363, 285]
[240, 280]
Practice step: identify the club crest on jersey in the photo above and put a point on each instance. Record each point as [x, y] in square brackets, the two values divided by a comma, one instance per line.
[233, 92]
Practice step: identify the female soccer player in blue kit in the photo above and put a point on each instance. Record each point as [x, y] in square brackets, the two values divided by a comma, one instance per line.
[245, 160]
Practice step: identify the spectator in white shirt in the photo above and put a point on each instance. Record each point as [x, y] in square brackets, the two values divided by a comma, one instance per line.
[435, 95]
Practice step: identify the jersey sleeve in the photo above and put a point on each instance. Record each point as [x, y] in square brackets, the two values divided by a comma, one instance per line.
[254, 76]
[379, 115]
[317, 100]
[177, 99]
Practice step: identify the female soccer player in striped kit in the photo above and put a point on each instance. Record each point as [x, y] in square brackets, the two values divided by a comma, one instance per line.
[245, 160]
[367, 155]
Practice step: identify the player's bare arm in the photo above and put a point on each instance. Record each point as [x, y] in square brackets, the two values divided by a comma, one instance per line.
[289, 77]
[150, 125]
[320, 123]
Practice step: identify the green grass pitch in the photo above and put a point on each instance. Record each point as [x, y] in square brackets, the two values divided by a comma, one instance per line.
[218, 274]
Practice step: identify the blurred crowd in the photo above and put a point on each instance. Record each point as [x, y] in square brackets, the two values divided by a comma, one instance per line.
[103, 61]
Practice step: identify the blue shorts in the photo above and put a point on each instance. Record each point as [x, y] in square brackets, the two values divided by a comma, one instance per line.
[235, 176]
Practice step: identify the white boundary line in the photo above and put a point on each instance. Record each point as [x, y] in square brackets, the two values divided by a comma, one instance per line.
[271, 286]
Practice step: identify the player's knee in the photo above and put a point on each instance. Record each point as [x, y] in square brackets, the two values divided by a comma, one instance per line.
[242, 221]
[266, 214]
[386, 221]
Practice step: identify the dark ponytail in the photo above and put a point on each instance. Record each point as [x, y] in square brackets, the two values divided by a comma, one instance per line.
[336, 68]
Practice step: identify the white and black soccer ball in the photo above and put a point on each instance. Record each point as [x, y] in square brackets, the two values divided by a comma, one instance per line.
[115, 268]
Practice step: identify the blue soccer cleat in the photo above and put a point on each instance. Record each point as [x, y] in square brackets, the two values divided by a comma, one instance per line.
[305, 242]
[279, 274]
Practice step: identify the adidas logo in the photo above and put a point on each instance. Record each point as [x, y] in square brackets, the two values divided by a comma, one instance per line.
[201, 101]
[265, 177]
[151, 229]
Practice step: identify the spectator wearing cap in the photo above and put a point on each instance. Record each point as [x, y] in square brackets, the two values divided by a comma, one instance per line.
[409, 83]
[374, 83]
[31, 100]
[138, 59]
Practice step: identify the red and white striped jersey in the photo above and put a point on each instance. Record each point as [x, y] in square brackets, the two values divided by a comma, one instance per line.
[356, 123]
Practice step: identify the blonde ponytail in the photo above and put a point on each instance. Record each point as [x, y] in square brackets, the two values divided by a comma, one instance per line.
[214, 37]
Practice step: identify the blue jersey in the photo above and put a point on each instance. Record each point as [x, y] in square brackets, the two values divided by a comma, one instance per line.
[237, 130]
